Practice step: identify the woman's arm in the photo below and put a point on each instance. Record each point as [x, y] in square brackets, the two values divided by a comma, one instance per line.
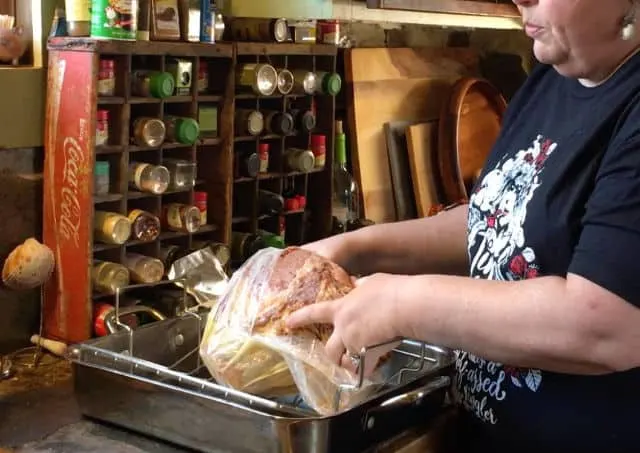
[565, 325]
[430, 245]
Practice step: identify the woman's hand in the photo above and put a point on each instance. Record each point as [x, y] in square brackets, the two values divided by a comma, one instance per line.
[367, 316]
[337, 249]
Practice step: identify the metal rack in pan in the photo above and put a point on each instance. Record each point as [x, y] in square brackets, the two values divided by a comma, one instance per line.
[152, 380]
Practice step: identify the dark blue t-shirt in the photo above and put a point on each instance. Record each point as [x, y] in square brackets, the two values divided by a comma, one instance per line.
[559, 194]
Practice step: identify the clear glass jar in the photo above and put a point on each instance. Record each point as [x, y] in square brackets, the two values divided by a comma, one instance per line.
[182, 173]
[261, 78]
[111, 227]
[149, 131]
[298, 159]
[145, 226]
[181, 217]
[285, 81]
[107, 277]
[144, 269]
[148, 178]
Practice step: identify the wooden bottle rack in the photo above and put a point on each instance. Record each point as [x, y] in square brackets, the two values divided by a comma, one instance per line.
[69, 203]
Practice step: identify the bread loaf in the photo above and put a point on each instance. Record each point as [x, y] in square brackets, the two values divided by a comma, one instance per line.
[28, 266]
[247, 345]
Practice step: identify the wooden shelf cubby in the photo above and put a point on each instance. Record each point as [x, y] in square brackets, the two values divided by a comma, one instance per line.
[71, 153]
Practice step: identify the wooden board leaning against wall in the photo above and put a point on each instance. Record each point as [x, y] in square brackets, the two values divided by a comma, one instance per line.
[400, 84]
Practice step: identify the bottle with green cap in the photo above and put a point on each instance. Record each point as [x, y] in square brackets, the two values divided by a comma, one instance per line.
[155, 84]
[181, 129]
[330, 83]
[101, 177]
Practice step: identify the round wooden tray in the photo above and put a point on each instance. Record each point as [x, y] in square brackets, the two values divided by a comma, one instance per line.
[470, 123]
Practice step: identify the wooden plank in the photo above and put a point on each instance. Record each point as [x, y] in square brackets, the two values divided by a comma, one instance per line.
[471, 7]
[252, 48]
[421, 140]
[386, 85]
[223, 50]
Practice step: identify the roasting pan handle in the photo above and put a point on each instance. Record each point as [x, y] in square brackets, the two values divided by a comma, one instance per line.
[418, 394]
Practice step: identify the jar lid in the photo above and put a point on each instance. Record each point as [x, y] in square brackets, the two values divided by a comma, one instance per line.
[101, 168]
[255, 123]
[331, 84]
[154, 131]
[187, 130]
[306, 160]
[162, 84]
[285, 81]
[200, 196]
[285, 122]
[102, 115]
[308, 121]
[121, 230]
[266, 79]
[280, 30]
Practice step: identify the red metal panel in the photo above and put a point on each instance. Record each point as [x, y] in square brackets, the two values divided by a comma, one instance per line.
[68, 188]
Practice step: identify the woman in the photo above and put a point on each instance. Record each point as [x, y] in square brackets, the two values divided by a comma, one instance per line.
[548, 326]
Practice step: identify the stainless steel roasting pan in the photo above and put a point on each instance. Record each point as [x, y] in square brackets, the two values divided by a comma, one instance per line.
[151, 380]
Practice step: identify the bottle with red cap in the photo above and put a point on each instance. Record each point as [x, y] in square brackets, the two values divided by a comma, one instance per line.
[263, 154]
[200, 201]
[319, 149]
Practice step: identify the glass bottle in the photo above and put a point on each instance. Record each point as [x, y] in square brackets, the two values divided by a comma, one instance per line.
[144, 269]
[107, 277]
[345, 199]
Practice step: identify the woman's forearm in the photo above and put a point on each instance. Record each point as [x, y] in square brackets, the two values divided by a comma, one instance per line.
[563, 325]
[435, 244]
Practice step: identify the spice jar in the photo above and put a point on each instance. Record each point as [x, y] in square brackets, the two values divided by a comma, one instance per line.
[111, 227]
[319, 149]
[107, 277]
[181, 129]
[329, 83]
[148, 131]
[248, 164]
[107, 78]
[182, 173]
[280, 123]
[263, 155]
[304, 120]
[144, 269]
[200, 201]
[299, 159]
[181, 217]
[305, 82]
[249, 122]
[152, 84]
[102, 127]
[101, 177]
[148, 178]
[203, 77]
[261, 78]
[145, 226]
[285, 81]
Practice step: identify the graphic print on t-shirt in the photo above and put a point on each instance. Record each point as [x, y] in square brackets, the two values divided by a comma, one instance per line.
[498, 251]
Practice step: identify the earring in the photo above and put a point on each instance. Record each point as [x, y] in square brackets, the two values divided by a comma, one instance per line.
[628, 30]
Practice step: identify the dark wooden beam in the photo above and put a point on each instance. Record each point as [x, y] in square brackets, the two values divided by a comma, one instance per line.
[471, 7]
